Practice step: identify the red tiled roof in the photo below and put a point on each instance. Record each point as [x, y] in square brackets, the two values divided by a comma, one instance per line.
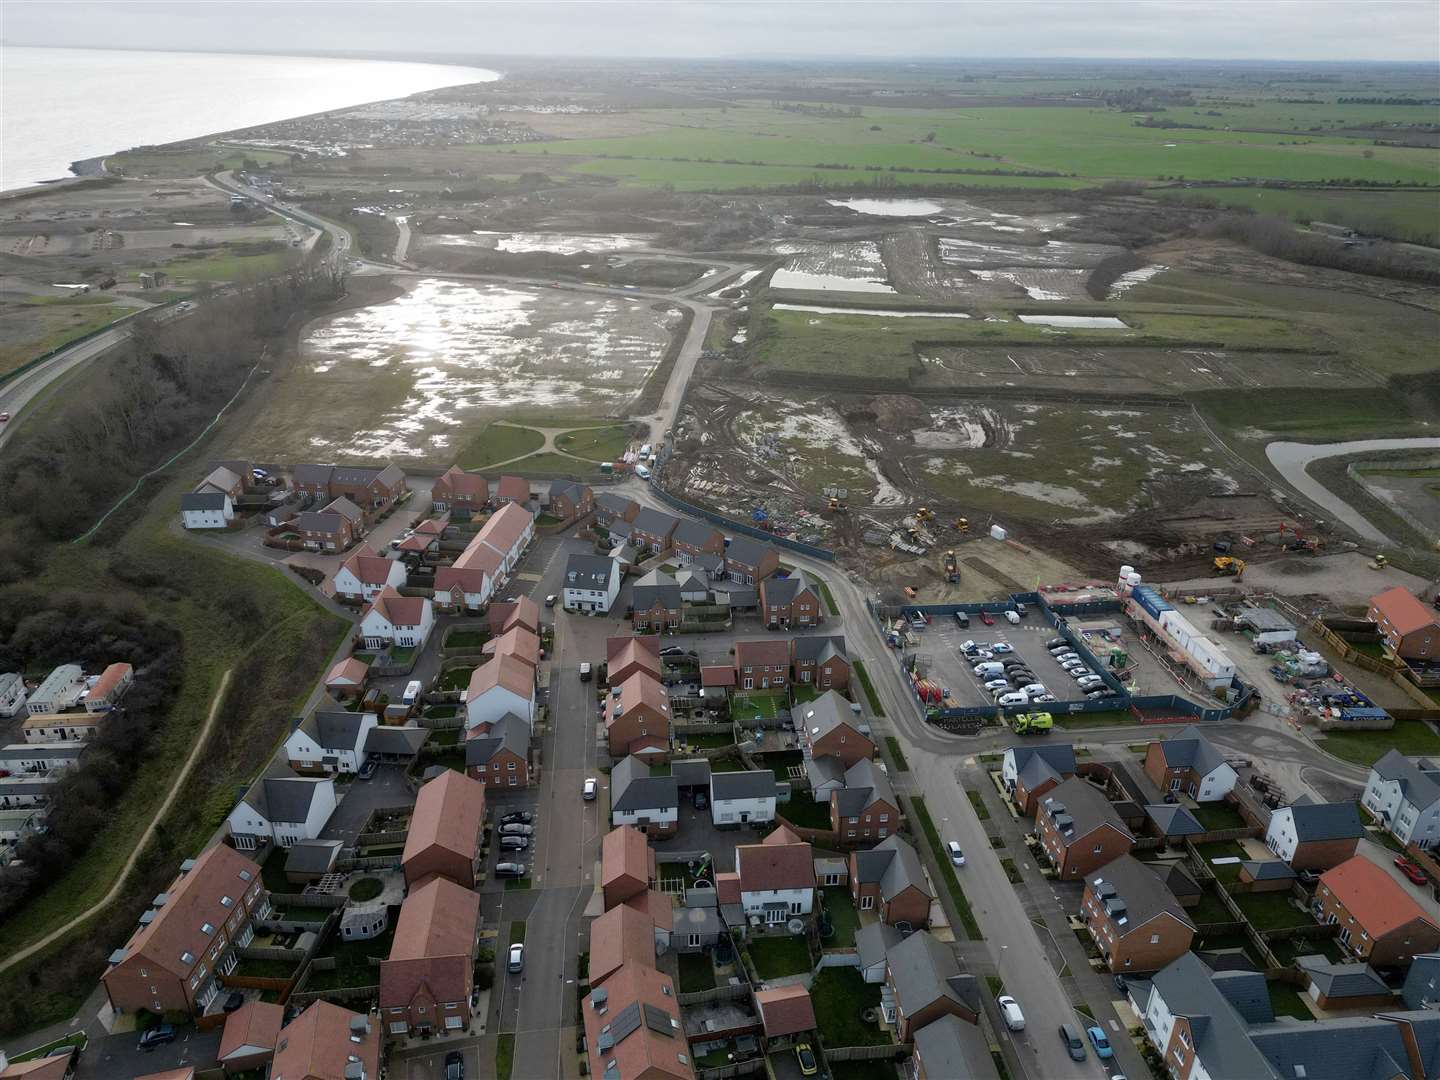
[186, 1072]
[319, 1043]
[477, 556]
[370, 568]
[786, 1011]
[641, 689]
[399, 610]
[781, 834]
[517, 642]
[657, 905]
[418, 541]
[46, 1068]
[433, 946]
[457, 481]
[525, 612]
[717, 675]
[623, 935]
[650, 1049]
[253, 1026]
[470, 581]
[625, 854]
[727, 887]
[1405, 612]
[348, 671]
[768, 867]
[433, 526]
[449, 812]
[771, 652]
[513, 487]
[648, 644]
[508, 671]
[1377, 900]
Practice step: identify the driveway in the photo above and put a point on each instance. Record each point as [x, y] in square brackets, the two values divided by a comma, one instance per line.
[119, 1057]
[698, 833]
[386, 788]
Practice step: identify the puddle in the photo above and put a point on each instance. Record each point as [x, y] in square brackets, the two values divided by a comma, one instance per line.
[1052, 253]
[818, 309]
[890, 207]
[1075, 322]
[1125, 282]
[1039, 283]
[844, 267]
[549, 243]
[797, 279]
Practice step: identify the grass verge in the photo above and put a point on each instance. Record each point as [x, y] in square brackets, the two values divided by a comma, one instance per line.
[947, 871]
[869, 688]
[1411, 737]
[893, 745]
[978, 803]
[504, 1055]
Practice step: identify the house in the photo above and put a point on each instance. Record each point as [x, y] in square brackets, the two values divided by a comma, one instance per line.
[329, 740]
[521, 611]
[427, 980]
[58, 1066]
[820, 662]
[251, 1032]
[42, 758]
[222, 481]
[509, 532]
[325, 530]
[12, 693]
[923, 982]
[447, 828]
[1030, 772]
[1379, 921]
[716, 681]
[1079, 829]
[518, 642]
[1134, 919]
[1404, 797]
[872, 943]
[372, 489]
[1313, 835]
[282, 807]
[637, 718]
[569, 500]
[591, 583]
[623, 935]
[1344, 986]
[785, 1011]
[392, 620]
[364, 574]
[826, 776]
[504, 686]
[649, 803]
[1389, 1044]
[512, 489]
[655, 603]
[1192, 1016]
[828, 727]
[312, 480]
[61, 727]
[310, 860]
[774, 879]
[743, 798]
[1189, 762]
[188, 936]
[627, 865]
[624, 656]
[694, 589]
[949, 1047]
[327, 1042]
[789, 601]
[610, 508]
[762, 664]
[653, 530]
[62, 689]
[749, 561]
[1410, 629]
[694, 538]
[470, 581]
[633, 1028]
[865, 809]
[1422, 982]
[206, 510]
[500, 756]
[108, 687]
[457, 489]
[889, 880]
[347, 678]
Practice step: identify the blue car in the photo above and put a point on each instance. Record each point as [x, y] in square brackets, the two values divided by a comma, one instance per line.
[1102, 1045]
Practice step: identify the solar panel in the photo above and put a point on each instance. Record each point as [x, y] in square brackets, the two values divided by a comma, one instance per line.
[658, 1020]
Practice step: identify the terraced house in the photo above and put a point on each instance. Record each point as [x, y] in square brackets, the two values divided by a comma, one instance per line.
[749, 561]
[692, 539]
[763, 664]
[865, 809]
[653, 530]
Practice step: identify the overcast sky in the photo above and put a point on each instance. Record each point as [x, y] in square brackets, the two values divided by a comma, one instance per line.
[1202, 29]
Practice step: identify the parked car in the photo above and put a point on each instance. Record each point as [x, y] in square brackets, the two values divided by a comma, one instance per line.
[1043, 697]
[509, 869]
[998, 684]
[233, 1002]
[585, 672]
[516, 961]
[1000, 647]
[517, 828]
[1089, 680]
[1018, 697]
[700, 800]
[1012, 662]
[4, 417]
[590, 790]
[1034, 688]
[987, 618]
[962, 620]
[1410, 870]
[1100, 1042]
[1010, 1012]
[1073, 1043]
[672, 650]
[454, 1065]
[521, 817]
[1057, 643]
[1061, 657]
[157, 1036]
[514, 843]
[969, 648]
[805, 1055]
[956, 855]
[550, 600]
[368, 769]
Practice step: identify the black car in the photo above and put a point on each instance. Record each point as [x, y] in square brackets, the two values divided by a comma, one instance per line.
[156, 1036]
[1056, 642]
[672, 650]
[963, 620]
[234, 1001]
[701, 800]
[454, 1065]
[517, 817]
[509, 869]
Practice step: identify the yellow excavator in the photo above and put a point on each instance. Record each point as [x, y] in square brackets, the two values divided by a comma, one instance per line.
[924, 514]
[1229, 566]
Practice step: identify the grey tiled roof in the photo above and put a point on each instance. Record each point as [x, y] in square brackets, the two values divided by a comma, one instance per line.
[949, 1047]
[1190, 749]
[511, 733]
[652, 521]
[691, 772]
[864, 784]
[754, 784]
[280, 795]
[695, 533]
[1422, 981]
[1085, 804]
[1141, 891]
[1268, 869]
[613, 503]
[1220, 1033]
[824, 714]
[203, 500]
[824, 770]
[1327, 821]
[588, 572]
[873, 942]
[1173, 819]
[386, 739]
[1342, 980]
[820, 648]
[1419, 779]
[632, 788]
[894, 865]
[923, 970]
[746, 550]
[312, 856]
[778, 590]
[1034, 763]
[334, 729]
[1349, 1047]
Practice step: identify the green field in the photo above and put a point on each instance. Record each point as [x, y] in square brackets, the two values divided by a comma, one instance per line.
[497, 443]
[1410, 737]
[42, 327]
[1400, 215]
[227, 266]
[596, 444]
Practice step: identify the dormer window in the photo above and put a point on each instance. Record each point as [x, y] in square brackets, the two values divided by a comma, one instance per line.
[187, 957]
[226, 901]
[207, 928]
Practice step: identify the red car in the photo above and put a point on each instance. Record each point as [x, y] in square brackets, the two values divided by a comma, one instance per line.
[986, 619]
[1411, 871]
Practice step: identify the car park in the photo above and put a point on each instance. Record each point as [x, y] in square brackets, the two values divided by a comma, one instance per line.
[1073, 1043]
[514, 843]
[157, 1036]
[590, 790]
[517, 817]
[956, 855]
[516, 960]
[1010, 1012]
[509, 869]
[1098, 1040]
[517, 828]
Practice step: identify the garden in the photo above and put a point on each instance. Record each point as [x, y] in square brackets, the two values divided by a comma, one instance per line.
[842, 918]
[776, 957]
[697, 973]
[352, 961]
[841, 997]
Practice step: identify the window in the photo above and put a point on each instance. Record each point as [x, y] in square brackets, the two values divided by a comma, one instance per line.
[226, 901]
[1098, 849]
[1154, 939]
[511, 766]
[867, 902]
[398, 1027]
[694, 941]
[1128, 961]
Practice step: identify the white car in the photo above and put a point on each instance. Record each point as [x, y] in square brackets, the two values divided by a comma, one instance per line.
[1076, 662]
[1087, 681]
[1016, 698]
[591, 790]
[1010, 1012]
[957, 857]
[1060, 658]
[998, 684]
[1034, 688]
[516, 961]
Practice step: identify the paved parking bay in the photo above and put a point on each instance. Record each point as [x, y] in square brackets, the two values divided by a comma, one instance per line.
[430, 1064]
[119, 1057]
[386, 788]
[941, 642]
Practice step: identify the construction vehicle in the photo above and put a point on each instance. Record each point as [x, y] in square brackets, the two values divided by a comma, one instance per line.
[1229, 566]
[1380, 563]
[952, 568]
[1119, 658]
[961, 525]
[924, 514]
[836, 506]
[1034, 723]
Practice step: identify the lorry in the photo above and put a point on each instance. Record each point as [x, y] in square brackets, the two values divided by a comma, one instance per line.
[1038, 723]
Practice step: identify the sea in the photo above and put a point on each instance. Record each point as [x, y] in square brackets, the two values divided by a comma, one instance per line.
[66, 105]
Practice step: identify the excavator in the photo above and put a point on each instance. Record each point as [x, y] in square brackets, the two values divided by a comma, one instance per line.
[961, 525]
[952, 568]
[924, 514]
[1229, 566]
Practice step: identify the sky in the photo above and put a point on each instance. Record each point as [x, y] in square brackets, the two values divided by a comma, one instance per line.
[1406, 30]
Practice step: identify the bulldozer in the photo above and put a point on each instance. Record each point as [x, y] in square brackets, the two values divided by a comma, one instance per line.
[961, 525]
[1229, 566]
[836, 506]
[952, 568]
[1380, 563]
[924, 514]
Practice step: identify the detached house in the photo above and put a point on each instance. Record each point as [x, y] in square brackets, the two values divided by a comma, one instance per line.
[365, 573]
[623, 935]
[1189, 763]
[505, 686]
[1380, 923]
[569, 500]
[637, 718]
[1134, 919]
[499, 757]
[648, 803]
[426, 982]
[829, 728]
[655, 603]
[1404, 797]
[1410, 629]
[923, 983]
[188, 936]
[653, 530]
[1030, 772]
[762, 664]
[327, 1042]
[206, 510]
[512, 489]
[820, 662]
[347, 678]
[610, 508]
[460, 490]
[1079, 829]
[889, 880]
[749, 561]
[624, 656]
[282, 807]
[222, 481]
[774, 879]
[789, 601]
[1313, 835]
[329, 740]
[627, 865]
[446, 831]
[692, 539]
[743, 798]
[591, 583]
[334, 528]
[949, 1048]
[865, 809]
[395, 620]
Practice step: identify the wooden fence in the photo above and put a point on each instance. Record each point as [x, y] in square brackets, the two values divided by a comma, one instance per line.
[892, 1052]
[317, 900]
[718, 993]
[740, 1068]
[376, 839]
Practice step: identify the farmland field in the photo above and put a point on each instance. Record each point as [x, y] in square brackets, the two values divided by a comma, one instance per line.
[1401, 215]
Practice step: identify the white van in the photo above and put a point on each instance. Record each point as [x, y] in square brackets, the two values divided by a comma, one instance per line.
[1012, 617]
[642, 471]
[990, 667]
[1016, 697]
[646, 451]
[412, 692]
[1010, 1010]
